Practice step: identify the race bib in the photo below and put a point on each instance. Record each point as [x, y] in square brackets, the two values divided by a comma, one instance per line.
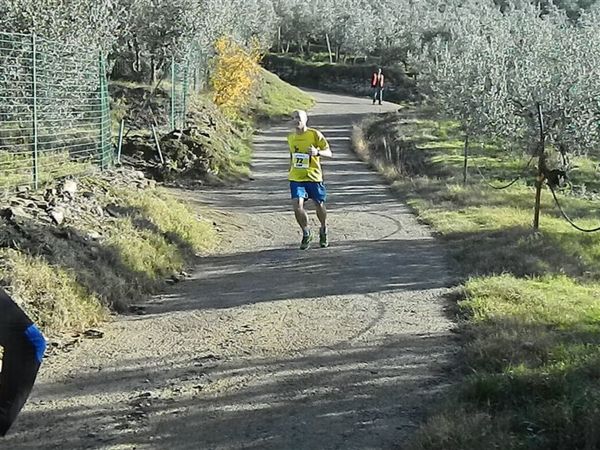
[301, 160]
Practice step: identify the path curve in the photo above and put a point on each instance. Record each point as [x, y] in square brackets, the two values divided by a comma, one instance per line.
[268, 347]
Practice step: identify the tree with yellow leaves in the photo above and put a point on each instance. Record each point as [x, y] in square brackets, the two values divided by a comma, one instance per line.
[236, 71]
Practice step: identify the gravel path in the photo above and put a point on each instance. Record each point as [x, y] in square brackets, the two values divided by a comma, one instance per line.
[268, 347]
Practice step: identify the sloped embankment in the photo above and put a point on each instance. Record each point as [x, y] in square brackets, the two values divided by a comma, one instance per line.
[81, 248]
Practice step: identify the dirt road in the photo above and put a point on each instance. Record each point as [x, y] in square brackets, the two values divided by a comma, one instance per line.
[268, 347]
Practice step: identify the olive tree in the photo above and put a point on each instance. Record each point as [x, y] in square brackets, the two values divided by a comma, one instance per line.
[520, 74]
[87, 24]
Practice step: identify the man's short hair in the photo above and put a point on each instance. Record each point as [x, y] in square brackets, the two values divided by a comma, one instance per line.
[302, 115]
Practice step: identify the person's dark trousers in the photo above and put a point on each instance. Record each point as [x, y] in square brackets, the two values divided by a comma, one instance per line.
[23, 349]
[378, 95]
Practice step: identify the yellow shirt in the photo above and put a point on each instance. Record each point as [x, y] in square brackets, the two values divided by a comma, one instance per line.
[304, 167]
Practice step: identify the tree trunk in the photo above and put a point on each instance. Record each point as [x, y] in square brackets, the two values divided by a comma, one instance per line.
[159, 67]
[279, 43]
[308, 48]
[301, 47]
[287, 48]
[329, 48]
[541, 170]
[137, 65]
[466, 160]
[152, 71]
[337, 53]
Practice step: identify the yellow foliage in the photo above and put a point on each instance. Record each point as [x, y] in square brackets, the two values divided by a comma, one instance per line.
[235, 74]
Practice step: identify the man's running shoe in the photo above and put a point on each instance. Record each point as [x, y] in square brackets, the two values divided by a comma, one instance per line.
[323, 242]
[306, 241]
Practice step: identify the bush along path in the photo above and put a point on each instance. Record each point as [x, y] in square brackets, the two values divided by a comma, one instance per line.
[265, 346]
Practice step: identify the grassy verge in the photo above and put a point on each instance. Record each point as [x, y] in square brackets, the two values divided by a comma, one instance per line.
[529, 315]
[118, 244]
[275, 99]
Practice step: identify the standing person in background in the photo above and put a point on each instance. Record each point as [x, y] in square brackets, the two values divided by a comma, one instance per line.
[377, 83]
[23, 349]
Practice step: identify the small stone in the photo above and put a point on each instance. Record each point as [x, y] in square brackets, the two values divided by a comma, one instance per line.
[14, 212]
[40, 204]
[113, 210]
[93, 334]
[50, 193]
[70, 186]
[138, 174]
[98, 211]
[15, 201]
[22, 189]
[94, 236]
[58, 214]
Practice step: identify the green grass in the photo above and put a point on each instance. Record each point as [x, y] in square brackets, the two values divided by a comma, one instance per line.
[276, 99]
[530, 316]
[52, 296]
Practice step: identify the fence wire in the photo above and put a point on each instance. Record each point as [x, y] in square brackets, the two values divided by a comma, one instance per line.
[54, 111]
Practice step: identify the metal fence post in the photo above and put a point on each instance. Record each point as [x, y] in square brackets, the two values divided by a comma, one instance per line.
[108, 122]
[184, 87]
[120, 146]
[172, 92]
[101, 80]
[36, 179]
[157, 142]
[107, 156]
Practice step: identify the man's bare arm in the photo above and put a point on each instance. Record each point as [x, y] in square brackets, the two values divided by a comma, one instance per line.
[326, 152]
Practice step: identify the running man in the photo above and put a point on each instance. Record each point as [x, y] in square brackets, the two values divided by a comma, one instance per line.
[24, 347]
[307, 146]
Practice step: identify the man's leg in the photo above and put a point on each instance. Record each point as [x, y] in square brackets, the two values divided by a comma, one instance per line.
[374, 94]
[302, 219]
[300, 213]
[322, 214]
[318, 193]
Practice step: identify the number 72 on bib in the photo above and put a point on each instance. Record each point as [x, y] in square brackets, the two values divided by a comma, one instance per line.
[301, 160]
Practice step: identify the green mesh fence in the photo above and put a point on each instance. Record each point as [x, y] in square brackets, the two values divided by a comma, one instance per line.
[54, 111]
[189, 75]
[179, 93]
